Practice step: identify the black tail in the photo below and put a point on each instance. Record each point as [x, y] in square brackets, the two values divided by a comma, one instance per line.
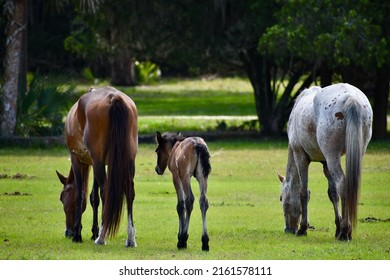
[204, 158]
[119, 178]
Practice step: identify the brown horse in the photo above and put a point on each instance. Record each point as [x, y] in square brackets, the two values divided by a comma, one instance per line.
[101, 129]
[185, 157]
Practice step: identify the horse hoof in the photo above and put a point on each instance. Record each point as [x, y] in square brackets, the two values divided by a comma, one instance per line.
[99, 241]
[130, 244]
[181, 245]
[301, 233]
[69, 233]
[344, 237]
[77, 239]
[205, 243]
[291, 231]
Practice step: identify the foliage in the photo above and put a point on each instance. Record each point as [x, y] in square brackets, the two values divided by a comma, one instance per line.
[343, 33]
[147, 72]
[42, 108]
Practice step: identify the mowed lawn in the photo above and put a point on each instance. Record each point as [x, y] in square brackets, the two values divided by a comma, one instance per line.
[245, 219]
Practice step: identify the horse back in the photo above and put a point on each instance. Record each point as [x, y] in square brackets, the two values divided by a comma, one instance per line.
[183, 160]
[87, 124]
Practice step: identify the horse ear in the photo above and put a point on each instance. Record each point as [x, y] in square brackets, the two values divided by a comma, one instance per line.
[62, 178]
[281, 178]
[179, 133]
[158, 137]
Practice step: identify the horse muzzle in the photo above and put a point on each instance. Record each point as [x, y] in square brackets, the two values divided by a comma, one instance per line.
[69, 233]
[159, 171]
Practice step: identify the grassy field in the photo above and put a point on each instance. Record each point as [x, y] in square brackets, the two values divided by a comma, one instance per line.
[245, 218]
[194, 105]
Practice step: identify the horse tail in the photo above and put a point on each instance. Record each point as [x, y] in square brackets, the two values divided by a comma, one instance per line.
[354, 154]
[203, 158]
[120, 168]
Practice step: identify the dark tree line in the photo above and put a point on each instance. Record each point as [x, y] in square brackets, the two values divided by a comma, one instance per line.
[282, 46]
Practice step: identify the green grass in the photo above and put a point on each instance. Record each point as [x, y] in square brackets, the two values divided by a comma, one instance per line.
[222, 103]
[245, 219]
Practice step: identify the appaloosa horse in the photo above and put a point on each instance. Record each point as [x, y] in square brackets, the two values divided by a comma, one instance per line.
[101, 129]
[185, 157]
[325, 124]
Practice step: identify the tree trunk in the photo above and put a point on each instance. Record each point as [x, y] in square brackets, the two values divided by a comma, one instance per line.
[381, 101]
[325, 75]
[15, 12]
[273, 113]
[122, 71]
[257, 68]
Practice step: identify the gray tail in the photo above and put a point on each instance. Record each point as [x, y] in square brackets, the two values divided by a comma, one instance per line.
[354, 154]
[204, 158]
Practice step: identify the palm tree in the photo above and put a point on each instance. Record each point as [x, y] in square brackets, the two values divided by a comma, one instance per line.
[14, 11]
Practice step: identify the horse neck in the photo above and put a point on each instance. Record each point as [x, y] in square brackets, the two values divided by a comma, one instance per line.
[292, 174]
[71, 175]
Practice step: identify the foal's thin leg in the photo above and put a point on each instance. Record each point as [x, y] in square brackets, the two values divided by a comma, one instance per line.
[182, 235]
[333, 196]
[189, 207]
[204, 205]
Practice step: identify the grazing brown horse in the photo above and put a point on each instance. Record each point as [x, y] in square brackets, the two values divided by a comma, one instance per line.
[185, 157]
[325, 124]
[101, 129]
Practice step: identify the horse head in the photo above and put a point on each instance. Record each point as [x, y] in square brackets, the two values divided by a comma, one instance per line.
[68, 198]
[291, 207]
[165, 143]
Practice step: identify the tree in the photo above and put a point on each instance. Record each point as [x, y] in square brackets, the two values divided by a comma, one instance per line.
[14, 11]
[320, 39]
[15, 61]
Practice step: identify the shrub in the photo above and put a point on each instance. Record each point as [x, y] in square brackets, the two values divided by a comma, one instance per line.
[147, 72]
[42, 108]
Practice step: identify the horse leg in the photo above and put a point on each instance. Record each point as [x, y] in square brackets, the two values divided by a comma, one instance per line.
[99, 172]
[182, 235]
[204, 205]
[78, 170]
[130, 195]
[302, 163]
[337, 174]
[189, 202]
[94, 200]
[333, 196]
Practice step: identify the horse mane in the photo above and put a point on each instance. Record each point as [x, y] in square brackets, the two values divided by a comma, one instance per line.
[172, 138]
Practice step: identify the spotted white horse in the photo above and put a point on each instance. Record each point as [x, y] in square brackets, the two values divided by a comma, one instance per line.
[325, 124]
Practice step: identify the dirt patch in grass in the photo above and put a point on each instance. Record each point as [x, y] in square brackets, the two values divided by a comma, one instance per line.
[374, 220]
[16, 176]
[16, 193]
